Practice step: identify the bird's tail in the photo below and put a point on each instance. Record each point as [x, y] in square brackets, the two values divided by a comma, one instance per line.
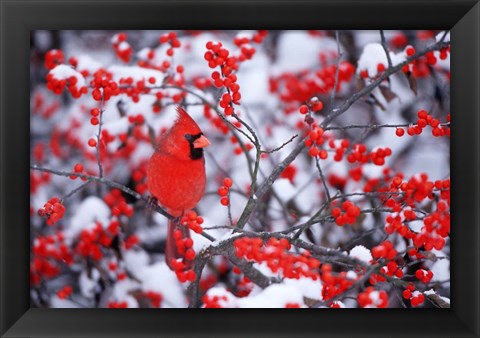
[172, 250]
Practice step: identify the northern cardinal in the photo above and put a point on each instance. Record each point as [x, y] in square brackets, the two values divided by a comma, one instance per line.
[176, 175]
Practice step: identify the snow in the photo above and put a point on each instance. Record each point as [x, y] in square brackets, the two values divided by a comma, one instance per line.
[88, 285]
[86, 62]
[90, 210]
[135, 72]
[159, 278]
[284, 189]
[123, 46]
[273, 296]
[441, 270]
[362, 253]
[64, 72]
[374, 54]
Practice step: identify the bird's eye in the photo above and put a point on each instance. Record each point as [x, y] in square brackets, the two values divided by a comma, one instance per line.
[189, 137]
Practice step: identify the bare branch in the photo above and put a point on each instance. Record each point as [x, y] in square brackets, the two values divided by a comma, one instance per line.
[280, 147]
[384, 45]
[337, 70]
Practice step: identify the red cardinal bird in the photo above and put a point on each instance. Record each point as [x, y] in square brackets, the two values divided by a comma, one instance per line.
[176, 174]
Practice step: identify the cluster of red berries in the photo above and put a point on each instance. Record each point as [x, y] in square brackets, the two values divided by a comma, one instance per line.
[314, 140]
[57, 85]
[244, 285]
[372, 298]
[131, 241]
[334, 284]
[122, 47]
[183, 275]
[258, 37]
[294, 88]
[384, 250]
[117, 203]
[416, 298]
[425, 119]
[138, 119]
[395, 223]
[392, 269]
[48, 252]
[43, 108]
[340, 146]
[380, 69]
[416, 189]
[104, 86]
[314, 105]
[193, 221]
[224, 191]
[37, 179]
[78, 168]
[91, 241]
[425, 276]
[155, 298]
[95, 113]
[275, 254]
[65, 292]
[227, 99]
[217, 55]
[180, 266]
[138, 177]
[347, 214]
[213, 301]
[433, 234]
[436, 224]
[420, 67]
[53, 210]
[172, 40]
[54, 58]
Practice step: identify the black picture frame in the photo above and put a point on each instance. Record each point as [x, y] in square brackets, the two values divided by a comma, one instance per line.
[18, 17]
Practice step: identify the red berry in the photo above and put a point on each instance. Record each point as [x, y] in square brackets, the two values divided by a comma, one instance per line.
[92, 143]
[303, 109]
[399, 132]
[225, 201]
[227, 182]
[222, 191]
[78, 168]
[410, 51]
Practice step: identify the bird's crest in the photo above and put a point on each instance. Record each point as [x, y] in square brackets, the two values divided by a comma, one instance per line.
[185, 121]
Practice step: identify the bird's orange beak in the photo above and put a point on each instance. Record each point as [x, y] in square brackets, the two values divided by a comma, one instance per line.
[201, 142]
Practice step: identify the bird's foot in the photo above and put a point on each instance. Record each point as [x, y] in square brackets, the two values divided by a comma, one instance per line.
[152, 202]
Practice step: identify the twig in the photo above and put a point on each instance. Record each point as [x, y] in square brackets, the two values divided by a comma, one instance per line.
[97, 148]
[74, 191]
[337, 70]
[376, 126]
[322, 178]
[384, 45]
[280, 147]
